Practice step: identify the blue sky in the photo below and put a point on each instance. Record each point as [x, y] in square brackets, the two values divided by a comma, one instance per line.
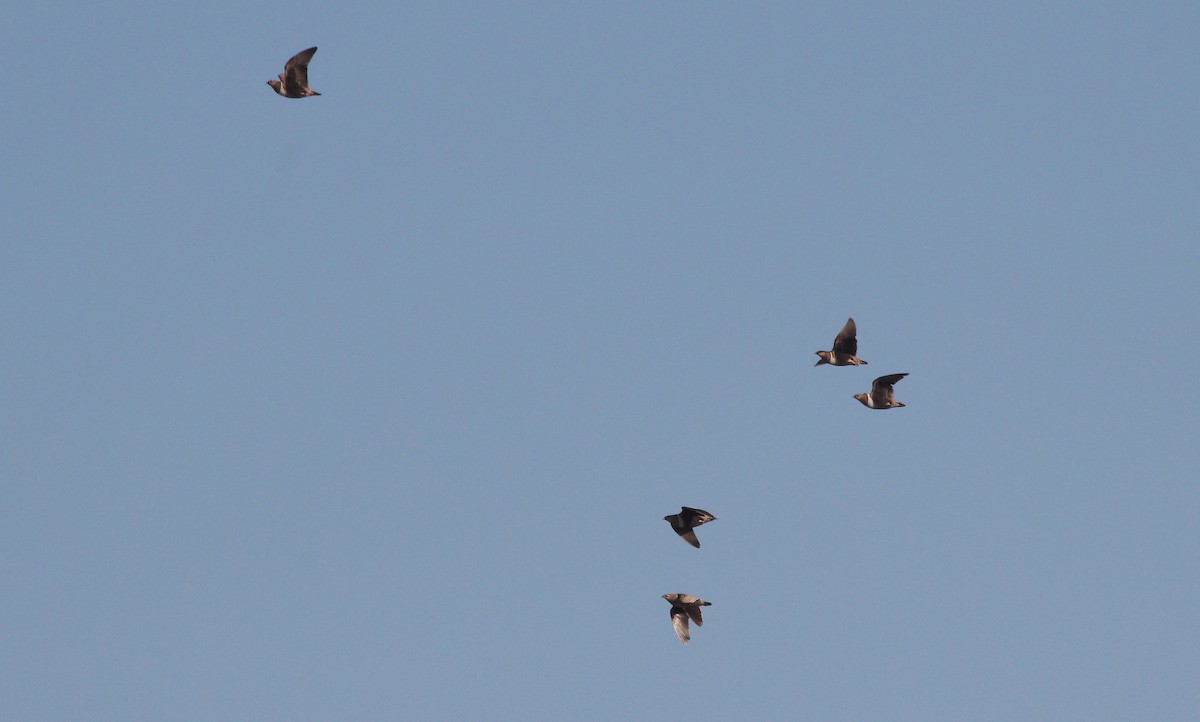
[369, 406]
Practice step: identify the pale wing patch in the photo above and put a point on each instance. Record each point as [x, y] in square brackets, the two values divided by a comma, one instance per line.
[679, 619]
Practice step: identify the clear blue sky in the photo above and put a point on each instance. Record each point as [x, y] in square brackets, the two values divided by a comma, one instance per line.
[369, 406]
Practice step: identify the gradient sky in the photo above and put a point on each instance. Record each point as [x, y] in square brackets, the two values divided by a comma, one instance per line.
[369, 406]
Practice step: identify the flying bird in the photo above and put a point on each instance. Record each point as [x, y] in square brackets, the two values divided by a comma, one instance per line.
[293, 81]
[845, 345]
[688, 519]
[882, 396]
[684, 606]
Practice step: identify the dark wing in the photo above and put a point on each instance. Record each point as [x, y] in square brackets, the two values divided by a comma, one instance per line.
[886, 381]
[881, 388]
[679, 620]
[680, 525]
[689, 536]
[693, 611]
[296, 70]
[847, 340]
[695, 517]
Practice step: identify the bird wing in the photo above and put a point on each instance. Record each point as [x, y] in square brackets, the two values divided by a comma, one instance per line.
[846, 341]
[689, 536]
[695, 517]
[296, 70]
[679, 620]
[693, 611]
[886, 381]
[881, 388]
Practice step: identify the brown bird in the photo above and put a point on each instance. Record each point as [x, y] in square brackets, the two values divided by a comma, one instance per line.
[686, 520]
[845, 345]
[882, 395]
[293, 81]
[684, 606]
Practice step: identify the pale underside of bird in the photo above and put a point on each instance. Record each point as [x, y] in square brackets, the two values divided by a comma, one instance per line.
[882, 395]
[293, 81]
[845, 346]
[686, 520]
[683, 608]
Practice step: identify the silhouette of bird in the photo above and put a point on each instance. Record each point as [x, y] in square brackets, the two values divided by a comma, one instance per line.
[882, 395]
[683, 607]
[686, 520]
[845, 345]
[293, 81]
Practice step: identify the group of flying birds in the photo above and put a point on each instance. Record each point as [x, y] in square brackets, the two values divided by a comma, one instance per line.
[845, 349]
[685, 607]
[293, 83]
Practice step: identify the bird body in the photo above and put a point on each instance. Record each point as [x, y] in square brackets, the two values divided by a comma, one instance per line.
[686, 520]
[882, 395]
[683, 608]
[845, 346]
[293, 81]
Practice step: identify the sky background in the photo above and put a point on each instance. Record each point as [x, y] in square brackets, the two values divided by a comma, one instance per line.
[369, 406]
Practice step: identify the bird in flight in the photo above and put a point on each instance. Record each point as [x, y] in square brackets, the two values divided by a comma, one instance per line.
[845, 345]
[882, 395]
[684, 606]
[293, 81]
[688, 519]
